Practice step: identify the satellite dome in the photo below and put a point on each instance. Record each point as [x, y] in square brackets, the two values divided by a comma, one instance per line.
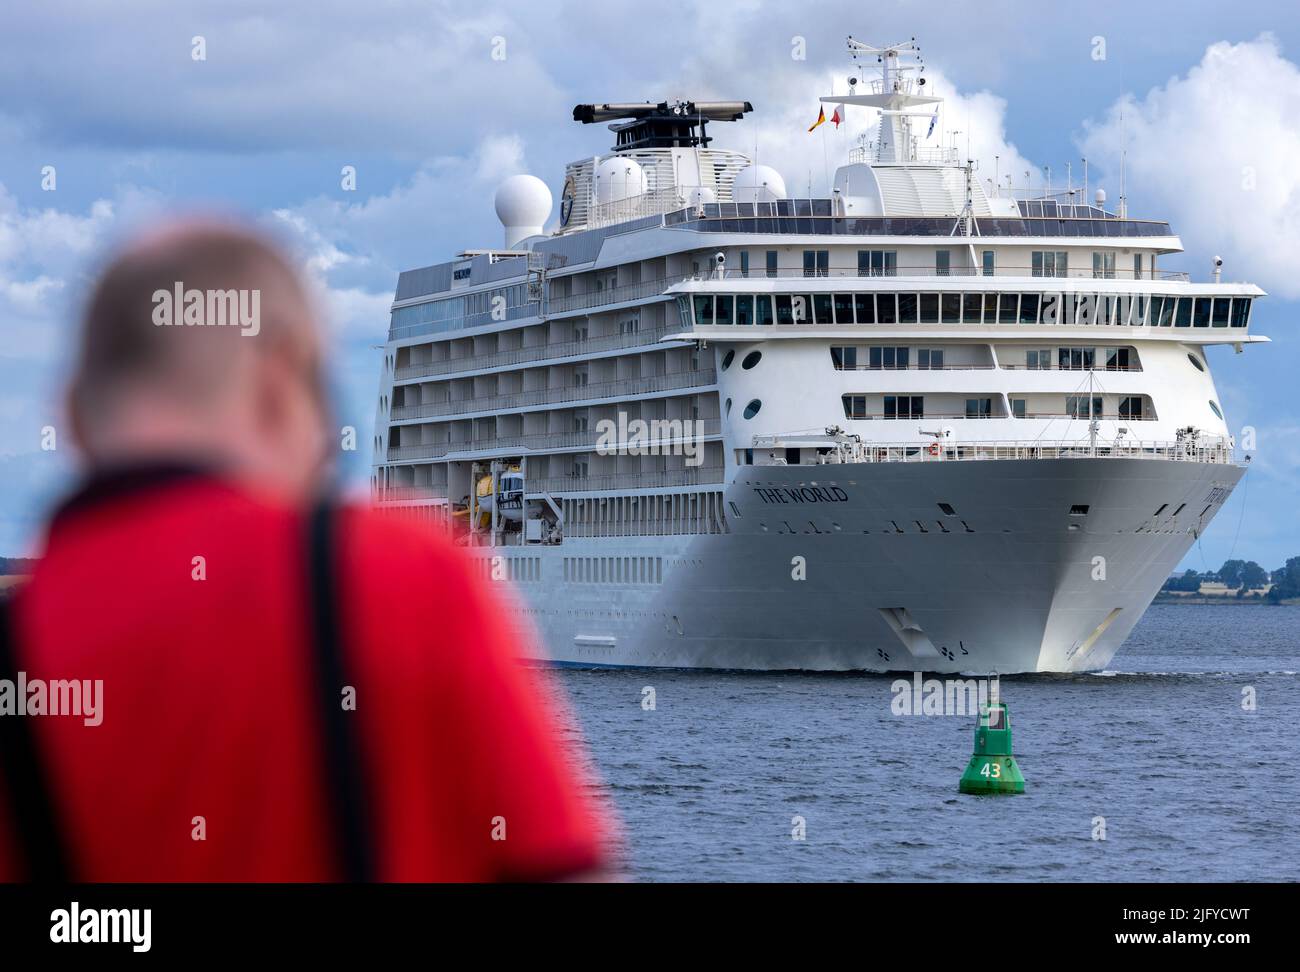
[619, 178]
[699, 195]
[523, 204]
[758, 183]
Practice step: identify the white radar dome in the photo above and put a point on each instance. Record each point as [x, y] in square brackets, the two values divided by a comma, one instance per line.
[700, 195]
[758, 183]
[618, 178]
[523, 205]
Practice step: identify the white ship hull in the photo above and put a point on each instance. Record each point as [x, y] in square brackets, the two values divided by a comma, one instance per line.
[1020, 592]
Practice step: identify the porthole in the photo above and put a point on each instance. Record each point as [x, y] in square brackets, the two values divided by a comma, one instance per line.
[752, 408]
[1196, 362]
[751, 359]
[728, 412]
[727, 359]
[1215, 409]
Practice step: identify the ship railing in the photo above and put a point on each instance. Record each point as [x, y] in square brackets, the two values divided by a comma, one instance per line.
[1060, 367]
[688, 476]
[394, 494]
[536, 352]
[844, 450]
[610, 295]
[619, 388]
[659, 434]
[1001, 270]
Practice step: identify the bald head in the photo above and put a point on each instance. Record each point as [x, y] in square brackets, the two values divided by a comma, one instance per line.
[200, 344]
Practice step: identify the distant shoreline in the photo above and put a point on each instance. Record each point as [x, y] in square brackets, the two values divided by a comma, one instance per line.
[1166, 598]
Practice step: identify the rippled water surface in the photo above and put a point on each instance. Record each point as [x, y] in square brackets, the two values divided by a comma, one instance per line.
[1191, 786]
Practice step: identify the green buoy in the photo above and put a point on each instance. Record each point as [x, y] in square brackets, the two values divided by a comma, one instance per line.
[993, 769]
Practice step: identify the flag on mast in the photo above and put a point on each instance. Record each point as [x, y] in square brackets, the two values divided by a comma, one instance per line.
[838, 117]
[821, 118]
[933, 118]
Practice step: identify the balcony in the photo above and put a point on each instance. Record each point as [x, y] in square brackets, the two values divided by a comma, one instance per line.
[689, 476]
[555, 306]
[618, 388]
[393, 494]
[584, 440]
[535, 353]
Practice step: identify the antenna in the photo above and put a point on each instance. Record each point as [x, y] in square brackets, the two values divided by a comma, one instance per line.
[1123, 155]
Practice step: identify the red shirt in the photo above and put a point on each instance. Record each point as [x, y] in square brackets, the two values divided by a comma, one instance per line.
[208, 709]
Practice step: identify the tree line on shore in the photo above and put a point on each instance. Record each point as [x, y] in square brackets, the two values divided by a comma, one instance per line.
[1245, 577]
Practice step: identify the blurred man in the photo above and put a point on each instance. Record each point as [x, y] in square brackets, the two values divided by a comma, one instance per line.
[287, 690]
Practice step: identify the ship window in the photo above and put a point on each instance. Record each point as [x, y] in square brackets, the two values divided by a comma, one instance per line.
[1007, 309]
[1240, 311]
[1179, 510]
[822, 309]
[763, 310]
[752, 408]
[1163, 507]
[865, 305]
[728, 407]
[703, 308]
[907, 308]
[979, 407]
[947, 509]
[1221, 308]
[1215, 409]
[784, 312]
[1019, 406]
[744, 309]
[1079, 509]
[1077, 406]
[886, 309]
[1157, 305]
[1196, 362]
[929, 358]
[855, 406]
[1201, 317]
[929, 308]
[751, 359]
[942, 262]
[990, 308]
[722, 310]
[904, 406]
[1184, 314]
[1130, 407]
[951, 308]
[801, 306]
[987, 263]
[1167, 312]
[843, 308]
[844, 358]
[727, 359]
[771, 263]
[971, 311]
[1029, 308]
[816, 263]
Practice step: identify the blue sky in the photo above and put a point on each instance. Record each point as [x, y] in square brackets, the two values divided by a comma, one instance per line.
[410, 94]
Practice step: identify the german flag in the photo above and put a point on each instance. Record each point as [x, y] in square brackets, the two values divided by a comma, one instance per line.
[821, 118]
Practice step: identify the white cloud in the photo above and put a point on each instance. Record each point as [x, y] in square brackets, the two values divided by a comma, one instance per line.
[1215, 152]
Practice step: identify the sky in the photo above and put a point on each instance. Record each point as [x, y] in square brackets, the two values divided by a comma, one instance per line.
[109, 117]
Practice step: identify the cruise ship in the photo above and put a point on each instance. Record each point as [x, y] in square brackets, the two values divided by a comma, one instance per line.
[924, 423]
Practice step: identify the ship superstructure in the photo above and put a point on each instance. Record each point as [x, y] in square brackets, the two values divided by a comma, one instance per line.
[914, 425]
